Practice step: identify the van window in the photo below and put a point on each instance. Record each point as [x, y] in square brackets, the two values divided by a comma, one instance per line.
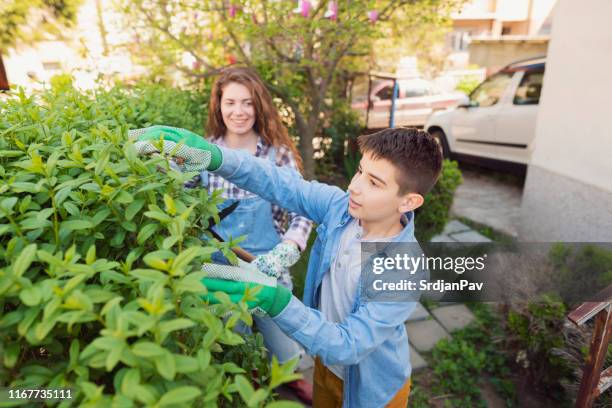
[491, 90]
[530, 88]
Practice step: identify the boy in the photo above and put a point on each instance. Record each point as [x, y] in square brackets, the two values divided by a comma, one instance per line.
[361, 346]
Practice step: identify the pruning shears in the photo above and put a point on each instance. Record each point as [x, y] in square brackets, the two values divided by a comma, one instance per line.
[240, 252]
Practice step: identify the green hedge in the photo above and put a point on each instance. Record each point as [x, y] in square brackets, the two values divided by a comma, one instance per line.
[100, 255]
[431, 218]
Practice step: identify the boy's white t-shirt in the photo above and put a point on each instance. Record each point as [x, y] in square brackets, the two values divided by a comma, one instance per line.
[339, 286]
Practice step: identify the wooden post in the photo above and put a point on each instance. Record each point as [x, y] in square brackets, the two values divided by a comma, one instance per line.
[4, 84]
[589, 386]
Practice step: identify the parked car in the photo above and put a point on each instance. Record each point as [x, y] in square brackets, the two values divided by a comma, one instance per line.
[495, 124]
[416, 100]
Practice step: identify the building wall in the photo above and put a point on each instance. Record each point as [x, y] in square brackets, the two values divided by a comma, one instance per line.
[568, 190]
[541, 16]
[495, 54]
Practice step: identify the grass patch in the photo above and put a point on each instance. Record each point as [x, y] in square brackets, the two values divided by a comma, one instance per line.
[488, 231]
[462, 366]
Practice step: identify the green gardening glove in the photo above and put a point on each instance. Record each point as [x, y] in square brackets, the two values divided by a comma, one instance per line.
[271, 300]
[190, 140]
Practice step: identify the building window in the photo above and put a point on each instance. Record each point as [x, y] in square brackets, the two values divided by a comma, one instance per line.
[51, 66]
[460, 40]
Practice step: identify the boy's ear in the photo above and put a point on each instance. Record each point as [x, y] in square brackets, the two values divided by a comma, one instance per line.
[410, 201]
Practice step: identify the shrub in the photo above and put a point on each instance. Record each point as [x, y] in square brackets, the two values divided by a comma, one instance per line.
[137, 106]
[535, 330]
[99, 262]
[431, 218]
[550, 351]
[472, 356]
[467, 84]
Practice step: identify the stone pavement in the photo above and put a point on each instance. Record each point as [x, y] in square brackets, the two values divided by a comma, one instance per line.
[425, 327]
[456, 231]
[489, 200]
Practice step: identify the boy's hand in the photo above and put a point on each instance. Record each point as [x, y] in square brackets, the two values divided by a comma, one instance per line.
[271, 300]
[189, 139]
[282, 256]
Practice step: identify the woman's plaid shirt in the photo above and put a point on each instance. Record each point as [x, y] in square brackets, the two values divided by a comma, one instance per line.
[289, 225]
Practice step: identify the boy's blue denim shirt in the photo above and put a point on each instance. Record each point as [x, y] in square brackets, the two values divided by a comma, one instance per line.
[372, 341]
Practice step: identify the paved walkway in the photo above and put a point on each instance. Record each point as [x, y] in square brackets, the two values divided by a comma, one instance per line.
[425, 327]
[491, 200]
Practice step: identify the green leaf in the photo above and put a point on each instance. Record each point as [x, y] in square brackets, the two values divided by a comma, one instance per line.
[72, 208]
[20, 187]
[114, 355]
[244, 387]
[129, 226]
[30, 296]
[284, 404]
[166, 366]
[170, 241]
[73, 225]
[283, 373]
[133, 208]
[232, 368]
[131, 381]
[7, 204]
[34, 223]
[74, 352]
[155, 262]
[91, 255]
[149, 275]
[62, 194]
[107, 343]
[124, 197]
[11, 354]
[43, 328]
[180, 395]
[191, 283]
[258, 397]
[159, 216]
[12, 318]
[170, 206]
[118, 238]
[146, 232]
[148, 349]
[186, 364]
[24, 260]
[175, 324]
[150, 186]
[185, 257]
[102, 160]
[100, 216]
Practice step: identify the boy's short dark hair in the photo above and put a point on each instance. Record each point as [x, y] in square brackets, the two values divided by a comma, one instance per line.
[415, 154]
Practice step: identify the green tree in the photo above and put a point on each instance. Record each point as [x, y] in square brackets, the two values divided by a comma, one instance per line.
[25, 21]
[298, 52]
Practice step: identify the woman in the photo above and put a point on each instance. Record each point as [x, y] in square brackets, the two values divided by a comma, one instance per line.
[242, 116]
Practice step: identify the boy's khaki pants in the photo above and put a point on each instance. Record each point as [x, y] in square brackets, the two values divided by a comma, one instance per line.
[327, 390]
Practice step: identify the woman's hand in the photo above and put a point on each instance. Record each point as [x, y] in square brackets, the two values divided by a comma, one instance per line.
[282, 256]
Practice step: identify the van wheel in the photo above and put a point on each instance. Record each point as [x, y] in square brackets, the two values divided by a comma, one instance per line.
[440, 137]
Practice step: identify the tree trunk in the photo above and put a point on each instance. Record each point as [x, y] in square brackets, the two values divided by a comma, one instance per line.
[307, 149]
[4, 84]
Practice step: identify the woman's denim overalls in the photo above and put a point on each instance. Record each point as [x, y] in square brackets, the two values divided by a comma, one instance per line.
[253, 218]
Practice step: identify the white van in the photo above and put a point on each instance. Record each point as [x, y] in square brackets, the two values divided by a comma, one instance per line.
[495, 124]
